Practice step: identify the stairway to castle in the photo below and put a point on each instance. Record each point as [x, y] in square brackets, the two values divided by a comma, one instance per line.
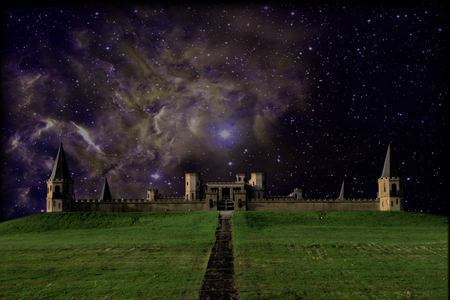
[219, 277]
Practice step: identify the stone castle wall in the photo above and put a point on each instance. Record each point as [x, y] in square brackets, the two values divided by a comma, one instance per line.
[138, 205]
[181, 204]
[292, 204]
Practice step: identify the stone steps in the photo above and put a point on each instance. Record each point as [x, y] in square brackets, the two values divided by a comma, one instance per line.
[219, 276]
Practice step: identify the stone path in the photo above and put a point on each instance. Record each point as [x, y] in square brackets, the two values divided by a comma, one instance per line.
[219, 281]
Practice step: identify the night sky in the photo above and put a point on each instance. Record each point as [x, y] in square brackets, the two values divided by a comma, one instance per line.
[142, 94]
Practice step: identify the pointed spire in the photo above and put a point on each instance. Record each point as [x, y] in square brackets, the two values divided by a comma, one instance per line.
[344, 191]
[390, 168]
[60, 169]
[106, 194]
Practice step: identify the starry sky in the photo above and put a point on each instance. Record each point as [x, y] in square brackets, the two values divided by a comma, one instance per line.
[142, 94]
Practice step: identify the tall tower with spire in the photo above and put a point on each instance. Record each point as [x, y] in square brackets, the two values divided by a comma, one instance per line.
[60, 185]
[391, 190]
[344, 194]
[106, 193]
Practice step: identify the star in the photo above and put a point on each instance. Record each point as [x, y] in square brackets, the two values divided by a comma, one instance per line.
[225, 134]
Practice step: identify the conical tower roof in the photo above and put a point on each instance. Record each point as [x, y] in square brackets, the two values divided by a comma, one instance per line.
[106, 193]
[390, 168]
[344, 194]
[60, 169]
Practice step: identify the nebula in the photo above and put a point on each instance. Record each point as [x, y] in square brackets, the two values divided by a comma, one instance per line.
[142, 94]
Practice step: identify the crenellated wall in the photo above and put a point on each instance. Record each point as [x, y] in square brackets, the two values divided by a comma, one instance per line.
[292, 204]
[210, 203]
[139, 205]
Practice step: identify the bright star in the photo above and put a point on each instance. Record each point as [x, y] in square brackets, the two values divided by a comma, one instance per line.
[225, 134]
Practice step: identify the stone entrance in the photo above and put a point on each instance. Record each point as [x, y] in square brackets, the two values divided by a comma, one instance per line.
[225, 204]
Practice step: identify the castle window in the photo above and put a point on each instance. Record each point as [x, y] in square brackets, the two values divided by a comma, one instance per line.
[198, 183]
[384, 185]
[394, 190]
[57, 189]
[392, 203]
[59, 205]
[187, 183]
[396, 201]
[192, 196]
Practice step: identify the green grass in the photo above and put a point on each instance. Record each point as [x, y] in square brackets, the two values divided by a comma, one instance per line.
[345, 255]
[105, 255]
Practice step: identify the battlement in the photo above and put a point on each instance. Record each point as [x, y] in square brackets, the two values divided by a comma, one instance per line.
[112, 200]
[305, 200]
[392, 178]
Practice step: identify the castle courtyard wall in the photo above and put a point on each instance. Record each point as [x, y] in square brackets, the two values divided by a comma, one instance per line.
[313, 205]
[136, 206]
[268, 204]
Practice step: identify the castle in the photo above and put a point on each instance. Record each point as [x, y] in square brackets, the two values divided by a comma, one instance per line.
[242, 194]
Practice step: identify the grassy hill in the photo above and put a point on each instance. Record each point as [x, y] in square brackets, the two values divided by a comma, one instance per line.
[343, 255]
[86, 220]
[278, 255]
[105, 255]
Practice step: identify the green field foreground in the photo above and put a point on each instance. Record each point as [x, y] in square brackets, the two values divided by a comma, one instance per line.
[105, 255]
[345, 255]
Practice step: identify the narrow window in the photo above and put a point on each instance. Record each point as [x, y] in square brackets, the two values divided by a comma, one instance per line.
[59, 205]
[198, 183]
[394, 189]
[192, 196]
[392, 203]
[384, 184]
[396, 201]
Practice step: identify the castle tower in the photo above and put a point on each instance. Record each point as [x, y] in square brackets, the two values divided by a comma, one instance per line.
[391, 190]
[152, 194]
[344, 194]
[258, 184]
[106, 193]
[60, 185]
[193, 186]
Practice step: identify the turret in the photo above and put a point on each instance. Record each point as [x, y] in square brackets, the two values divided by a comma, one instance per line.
[152, 194]
[258, 185]
[193, 186]
[240, 177]
[60, 185]
[344, 194]
[391, 190]
[106, 193]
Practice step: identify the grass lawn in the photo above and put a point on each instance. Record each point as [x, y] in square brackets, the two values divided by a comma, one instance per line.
[106, 255]
[345, 255]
